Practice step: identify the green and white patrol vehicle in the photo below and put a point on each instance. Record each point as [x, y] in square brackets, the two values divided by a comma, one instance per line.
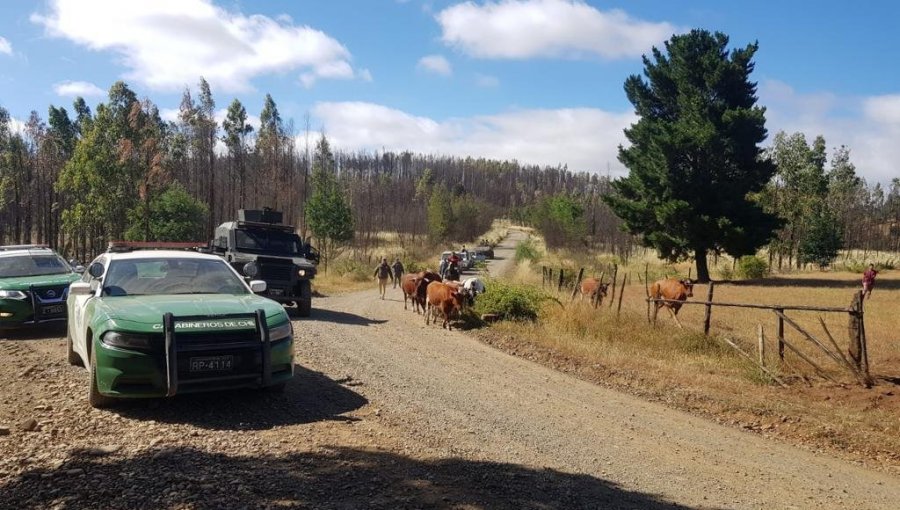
[34, 284]
[156, 322]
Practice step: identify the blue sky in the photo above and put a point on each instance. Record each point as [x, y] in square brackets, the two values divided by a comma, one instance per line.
[535, 80]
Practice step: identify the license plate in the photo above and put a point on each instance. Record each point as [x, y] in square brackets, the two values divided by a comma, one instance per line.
[276, 292]
[212, 363]
[53, 310]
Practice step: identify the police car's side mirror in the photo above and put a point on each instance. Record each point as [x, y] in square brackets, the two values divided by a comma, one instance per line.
[96, 270]
[257, 286]
[80, 289]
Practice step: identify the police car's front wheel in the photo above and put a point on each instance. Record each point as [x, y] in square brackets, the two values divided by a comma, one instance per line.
[94, 397]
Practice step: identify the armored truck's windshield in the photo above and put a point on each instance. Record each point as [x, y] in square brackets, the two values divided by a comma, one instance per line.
[270, 241]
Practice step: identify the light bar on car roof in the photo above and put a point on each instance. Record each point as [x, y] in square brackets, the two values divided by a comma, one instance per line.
[23, 247]
[126, 246]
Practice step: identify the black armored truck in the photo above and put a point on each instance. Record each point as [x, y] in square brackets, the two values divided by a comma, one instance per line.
[259, 246]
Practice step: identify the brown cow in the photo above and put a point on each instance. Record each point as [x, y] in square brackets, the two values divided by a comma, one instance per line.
[409, 285]
[444, 299]
[590, 287]
[672, 289]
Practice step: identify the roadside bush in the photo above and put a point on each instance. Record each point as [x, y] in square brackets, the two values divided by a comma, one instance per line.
[752, 267]
[353, 269]
[856, 266]
[527, 250]
[725, 272]
[511, 302]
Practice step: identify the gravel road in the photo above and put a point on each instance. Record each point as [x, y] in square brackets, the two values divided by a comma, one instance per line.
[389, 413]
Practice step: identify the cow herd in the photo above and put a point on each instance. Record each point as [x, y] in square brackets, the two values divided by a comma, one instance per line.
[434, 296]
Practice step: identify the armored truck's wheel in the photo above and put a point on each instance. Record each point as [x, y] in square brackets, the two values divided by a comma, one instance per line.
[94, 397]
[304, 304]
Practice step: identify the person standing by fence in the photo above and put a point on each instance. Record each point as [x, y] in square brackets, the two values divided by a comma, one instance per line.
[868, 281]
[383, 272]
[398, 271]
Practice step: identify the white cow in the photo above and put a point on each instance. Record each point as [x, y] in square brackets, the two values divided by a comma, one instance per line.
[472, 288]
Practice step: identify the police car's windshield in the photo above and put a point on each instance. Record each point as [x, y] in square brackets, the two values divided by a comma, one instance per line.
[32, 265]
[272, 241]
[155, 276]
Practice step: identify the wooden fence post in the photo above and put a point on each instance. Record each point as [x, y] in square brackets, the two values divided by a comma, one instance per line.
[647, 288]
[780, 333]
[614, 277]
[577, 281]
[708, 315]
[857, 333]
[561, 276]
[762, 345]
[621, 292]
[549, 276]
[543, 276]
[595, 299]
[862, 337]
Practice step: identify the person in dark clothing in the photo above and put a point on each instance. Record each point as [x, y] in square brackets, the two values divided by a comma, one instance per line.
[383, 272]
[868, 281]
[398, 271]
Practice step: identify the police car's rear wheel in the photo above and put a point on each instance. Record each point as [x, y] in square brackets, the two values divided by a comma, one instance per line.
[94, 397]
[74, 358]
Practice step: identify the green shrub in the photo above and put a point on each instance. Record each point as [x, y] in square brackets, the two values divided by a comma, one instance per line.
[510, 301]
[725, 272]
[354, 269]
[527, 250]
[751, 267]
[854, 266]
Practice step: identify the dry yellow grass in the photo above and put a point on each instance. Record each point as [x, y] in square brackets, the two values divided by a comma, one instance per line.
[704, 375]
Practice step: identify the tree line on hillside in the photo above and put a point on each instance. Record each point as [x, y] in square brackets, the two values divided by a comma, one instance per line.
[119, 171]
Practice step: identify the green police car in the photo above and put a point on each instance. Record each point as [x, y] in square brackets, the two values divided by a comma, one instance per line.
[34, 284]
[155, 322]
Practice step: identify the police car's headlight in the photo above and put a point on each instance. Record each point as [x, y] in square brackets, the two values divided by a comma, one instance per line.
[13, 294]
[280, 332]
[126, 340]
[302, 272]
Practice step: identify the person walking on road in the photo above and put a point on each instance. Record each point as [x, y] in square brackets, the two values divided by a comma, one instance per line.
[398, 271]
[868, 281]
[383, 272]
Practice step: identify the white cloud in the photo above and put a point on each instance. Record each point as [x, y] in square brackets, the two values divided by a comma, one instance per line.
[519, 29]
[166, 44]
[486, 81]
[5, 46]
[883, 109]
[582, 138]
[77, 88]
[868, 126]
[436, 64]
[16, 126]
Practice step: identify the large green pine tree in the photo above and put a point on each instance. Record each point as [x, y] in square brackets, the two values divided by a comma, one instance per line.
[327, 212]
[694, 154]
